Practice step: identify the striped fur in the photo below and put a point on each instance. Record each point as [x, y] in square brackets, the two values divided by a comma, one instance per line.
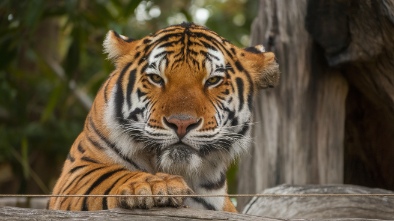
[169, 120]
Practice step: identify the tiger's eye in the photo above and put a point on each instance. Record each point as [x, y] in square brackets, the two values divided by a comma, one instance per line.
[213, 80]
[156, 78]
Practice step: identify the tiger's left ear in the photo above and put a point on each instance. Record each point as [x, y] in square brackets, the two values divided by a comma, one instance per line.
[262, 66]
[116, 46]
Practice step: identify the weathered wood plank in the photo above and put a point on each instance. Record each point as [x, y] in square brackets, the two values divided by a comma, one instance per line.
[326, 207]
[24, 202]
[159, 214]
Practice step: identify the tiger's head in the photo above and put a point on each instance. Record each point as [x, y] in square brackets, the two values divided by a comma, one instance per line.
[184, 95]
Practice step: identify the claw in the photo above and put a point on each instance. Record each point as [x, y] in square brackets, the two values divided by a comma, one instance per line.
[159, 184]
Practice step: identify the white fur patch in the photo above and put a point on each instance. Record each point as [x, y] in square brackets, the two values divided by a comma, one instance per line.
[260, 48]
[217, 60]
[111, 46]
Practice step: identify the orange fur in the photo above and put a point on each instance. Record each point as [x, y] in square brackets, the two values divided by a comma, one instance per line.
[185, 99]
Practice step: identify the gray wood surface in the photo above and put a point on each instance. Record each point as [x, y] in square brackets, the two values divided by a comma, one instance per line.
[361, 44]
[170, 214]
[331, 119]
[299, 130]
[267, 208]
[326, 207]
[167, 214]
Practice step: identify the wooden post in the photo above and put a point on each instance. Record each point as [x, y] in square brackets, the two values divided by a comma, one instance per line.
[299, 130]
[334, 56]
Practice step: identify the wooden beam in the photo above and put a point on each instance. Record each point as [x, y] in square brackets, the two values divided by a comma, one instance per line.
[324, 207]
[157, 214]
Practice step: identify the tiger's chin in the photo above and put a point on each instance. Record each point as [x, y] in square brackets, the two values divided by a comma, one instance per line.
[180, 159]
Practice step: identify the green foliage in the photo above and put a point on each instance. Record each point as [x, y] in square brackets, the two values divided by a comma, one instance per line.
[52, 49]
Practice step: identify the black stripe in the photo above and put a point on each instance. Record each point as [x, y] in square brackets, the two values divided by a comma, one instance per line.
[160, 54]
[70, 157]
[119, 97]
[146, 41]
[169, 29]
[240, 87]
[206, 205]
[231, 113]
[251, 92]
[250, 95]
[234, 122]
[239, 66]
[110, 145]
[77, 168]
[95, 184]
[206, 136]
[135, 112]
[166, 37]
[79, 178]
[105, 91]
[245, 129]
[215, 185]
[105, 202]
[155, 134]
[233, 50]
[137, 55]
[95, 143]
[80, 148]
[130, 86]
[140, 93]
[98, 133]
[253, 50]
[216, 44]
[88, 159]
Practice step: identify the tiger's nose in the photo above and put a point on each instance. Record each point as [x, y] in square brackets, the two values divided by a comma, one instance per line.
[182, 123]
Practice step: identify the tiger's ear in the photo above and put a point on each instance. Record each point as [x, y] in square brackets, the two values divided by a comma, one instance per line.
[116, 45]
[262, 66]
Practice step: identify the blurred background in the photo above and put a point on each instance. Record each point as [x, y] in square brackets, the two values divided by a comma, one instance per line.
[52, 64]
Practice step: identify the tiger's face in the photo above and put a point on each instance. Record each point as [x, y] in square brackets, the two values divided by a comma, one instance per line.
[185, 96]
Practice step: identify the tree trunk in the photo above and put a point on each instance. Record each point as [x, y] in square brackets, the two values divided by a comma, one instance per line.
[362, 44]
[299, 130]
[308, 130]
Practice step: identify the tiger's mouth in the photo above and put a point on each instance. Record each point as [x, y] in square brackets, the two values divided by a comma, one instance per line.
[180, 152]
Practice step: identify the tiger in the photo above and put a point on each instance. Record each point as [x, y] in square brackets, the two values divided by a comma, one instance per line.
[167, 123]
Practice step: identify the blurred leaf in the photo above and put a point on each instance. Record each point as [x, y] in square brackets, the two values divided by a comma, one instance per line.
[130, 8]
[25, 157]
[73, 55]
[33, 13]
[51, 105]
[188, 16]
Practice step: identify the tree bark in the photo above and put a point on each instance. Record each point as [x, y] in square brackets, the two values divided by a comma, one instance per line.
[299, 131]
[331, 120]
[360, 40]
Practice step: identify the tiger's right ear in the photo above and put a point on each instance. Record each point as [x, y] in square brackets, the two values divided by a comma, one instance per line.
[116, 45]
[262, 66]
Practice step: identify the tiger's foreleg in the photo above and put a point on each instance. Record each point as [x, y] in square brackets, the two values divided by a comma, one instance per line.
[115, 180]
[162, 185]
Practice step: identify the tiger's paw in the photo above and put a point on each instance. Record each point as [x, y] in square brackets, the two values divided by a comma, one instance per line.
[160, 184]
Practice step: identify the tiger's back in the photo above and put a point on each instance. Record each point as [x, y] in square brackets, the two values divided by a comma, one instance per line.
[168, 121]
